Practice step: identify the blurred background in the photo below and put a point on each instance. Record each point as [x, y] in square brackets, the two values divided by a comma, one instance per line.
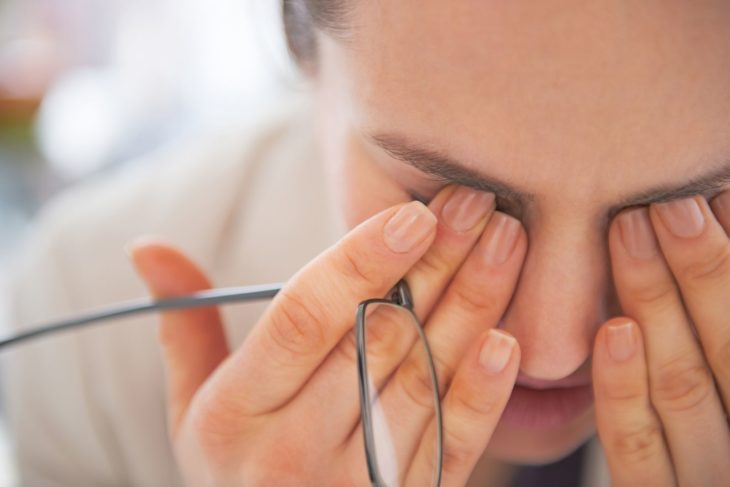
[86, 85]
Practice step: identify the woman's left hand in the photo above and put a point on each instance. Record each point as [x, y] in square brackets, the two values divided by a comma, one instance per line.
[663, 387]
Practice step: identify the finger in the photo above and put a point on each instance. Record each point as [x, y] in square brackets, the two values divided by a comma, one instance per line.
[681, 384]
[193, 341]
[474, 302]
[389, 333]
[629, 429]
[463, 213]
[471, 410]
[721, 207]
[479, 294]
[312, 313]
[697, 250]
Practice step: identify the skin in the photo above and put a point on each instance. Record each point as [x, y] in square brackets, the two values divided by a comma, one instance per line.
[634, 96]
[622, 106]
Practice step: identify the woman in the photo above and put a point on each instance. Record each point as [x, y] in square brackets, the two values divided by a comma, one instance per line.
[571, 268]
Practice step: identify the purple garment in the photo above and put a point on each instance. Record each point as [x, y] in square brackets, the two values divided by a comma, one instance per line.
[563, 473]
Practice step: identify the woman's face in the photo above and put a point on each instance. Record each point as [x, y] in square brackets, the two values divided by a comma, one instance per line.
[577, 109]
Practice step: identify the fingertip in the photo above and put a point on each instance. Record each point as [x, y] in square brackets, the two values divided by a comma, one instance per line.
[618, 340]
[142, 246]
[497, 351]
[600, 337]
[409, 227]
[441, 198]
[165, 269]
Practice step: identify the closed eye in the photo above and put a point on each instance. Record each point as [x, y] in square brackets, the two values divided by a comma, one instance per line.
[502, 206]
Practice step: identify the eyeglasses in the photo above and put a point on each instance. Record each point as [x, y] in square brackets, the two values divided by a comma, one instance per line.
[389, 336]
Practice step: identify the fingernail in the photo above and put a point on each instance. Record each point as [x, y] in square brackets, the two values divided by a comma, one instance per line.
[683, 218]
[620, 341]
[496, 351]
[408, 227]
[637, 234]
[500, 238]
[466, 207]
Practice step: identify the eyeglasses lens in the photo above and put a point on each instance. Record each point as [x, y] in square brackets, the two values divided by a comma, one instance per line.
[401, 392]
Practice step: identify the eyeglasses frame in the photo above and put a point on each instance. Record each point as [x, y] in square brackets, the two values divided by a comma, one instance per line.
[399, 296]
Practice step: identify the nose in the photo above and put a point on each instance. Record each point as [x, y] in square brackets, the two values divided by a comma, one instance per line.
[562, 297]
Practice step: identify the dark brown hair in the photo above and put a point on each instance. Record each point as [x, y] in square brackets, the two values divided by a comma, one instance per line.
[302, 18]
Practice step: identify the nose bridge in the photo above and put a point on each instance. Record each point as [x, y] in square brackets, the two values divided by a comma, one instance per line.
[559, 302]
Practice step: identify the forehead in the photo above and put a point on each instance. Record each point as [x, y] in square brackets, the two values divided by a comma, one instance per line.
[531, 90]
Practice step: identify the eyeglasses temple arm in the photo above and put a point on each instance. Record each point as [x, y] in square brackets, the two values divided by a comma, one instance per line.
[197, 300]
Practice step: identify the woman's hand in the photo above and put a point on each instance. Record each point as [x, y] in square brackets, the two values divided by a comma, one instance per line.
[663, 387]
[283, 409]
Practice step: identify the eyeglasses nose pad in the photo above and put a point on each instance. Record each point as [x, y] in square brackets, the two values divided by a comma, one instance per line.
[401, 294]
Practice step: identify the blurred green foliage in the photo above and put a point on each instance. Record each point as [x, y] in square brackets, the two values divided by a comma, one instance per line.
[16, 131]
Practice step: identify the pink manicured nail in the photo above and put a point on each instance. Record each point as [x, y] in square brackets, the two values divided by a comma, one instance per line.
[500, 238]
[496, 351]
[465, 207]
[637, 234]
[408, 227]
[620, 341]
[683, 217]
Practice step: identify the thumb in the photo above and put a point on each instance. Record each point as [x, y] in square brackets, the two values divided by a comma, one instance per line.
[193, 341]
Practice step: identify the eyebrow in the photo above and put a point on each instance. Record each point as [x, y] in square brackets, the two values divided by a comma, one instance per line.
[451, 171]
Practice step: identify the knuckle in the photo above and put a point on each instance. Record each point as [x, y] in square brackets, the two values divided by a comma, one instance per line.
[471, 405]
[434, 263]
[348, 347]
[639, 445]
[444, 373]
[712, 265]
[457, 452]
[652, 292]
[295, 328]
[215, 426]
[621, 392]
[416, 382]
[682, 385]
[474, 299]
[390, 332]
[356, 265]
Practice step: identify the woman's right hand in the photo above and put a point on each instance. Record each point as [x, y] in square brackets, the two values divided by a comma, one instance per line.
[283, 408]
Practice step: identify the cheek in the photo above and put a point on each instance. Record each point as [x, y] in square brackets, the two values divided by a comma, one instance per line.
[359, 185]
